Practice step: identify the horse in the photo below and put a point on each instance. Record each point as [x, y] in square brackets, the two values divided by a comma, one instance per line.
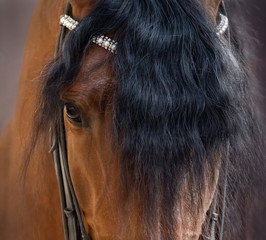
[159, 135]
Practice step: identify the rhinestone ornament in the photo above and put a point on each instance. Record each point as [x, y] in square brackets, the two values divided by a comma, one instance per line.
[105, 42]
[68, 22]
[223, 25]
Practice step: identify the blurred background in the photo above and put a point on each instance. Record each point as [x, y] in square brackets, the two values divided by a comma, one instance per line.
[14, 19]
[15, 16]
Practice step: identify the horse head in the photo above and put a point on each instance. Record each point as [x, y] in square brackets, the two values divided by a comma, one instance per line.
[147, 127]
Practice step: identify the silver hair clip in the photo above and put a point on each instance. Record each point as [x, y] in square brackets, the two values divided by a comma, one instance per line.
[111, 45]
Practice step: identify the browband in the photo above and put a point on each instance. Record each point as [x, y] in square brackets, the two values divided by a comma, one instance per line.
[111, 45]
[101, 40]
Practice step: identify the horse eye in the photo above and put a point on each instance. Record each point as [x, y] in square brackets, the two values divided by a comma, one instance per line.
[73, 113]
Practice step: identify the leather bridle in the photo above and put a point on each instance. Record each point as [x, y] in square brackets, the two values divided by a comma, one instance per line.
[72, 220]
[73, 225]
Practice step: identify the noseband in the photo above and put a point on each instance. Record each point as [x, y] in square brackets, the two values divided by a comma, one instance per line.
[73, 225]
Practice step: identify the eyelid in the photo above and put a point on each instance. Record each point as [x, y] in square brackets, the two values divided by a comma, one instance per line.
[68, 106]
[72, 120]
[84, 116]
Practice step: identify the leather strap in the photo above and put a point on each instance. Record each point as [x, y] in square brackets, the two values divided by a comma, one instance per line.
[71, 216]
[72, 221]
[214, 218]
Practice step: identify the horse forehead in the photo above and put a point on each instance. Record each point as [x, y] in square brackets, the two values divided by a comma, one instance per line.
[81, 8]
[95, 76]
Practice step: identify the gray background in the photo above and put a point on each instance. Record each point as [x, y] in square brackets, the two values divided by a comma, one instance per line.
[14, 19]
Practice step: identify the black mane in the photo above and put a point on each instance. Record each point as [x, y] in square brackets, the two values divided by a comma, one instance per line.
[181, 95]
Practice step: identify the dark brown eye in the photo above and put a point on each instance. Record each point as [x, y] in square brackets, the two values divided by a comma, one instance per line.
[73, 114]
